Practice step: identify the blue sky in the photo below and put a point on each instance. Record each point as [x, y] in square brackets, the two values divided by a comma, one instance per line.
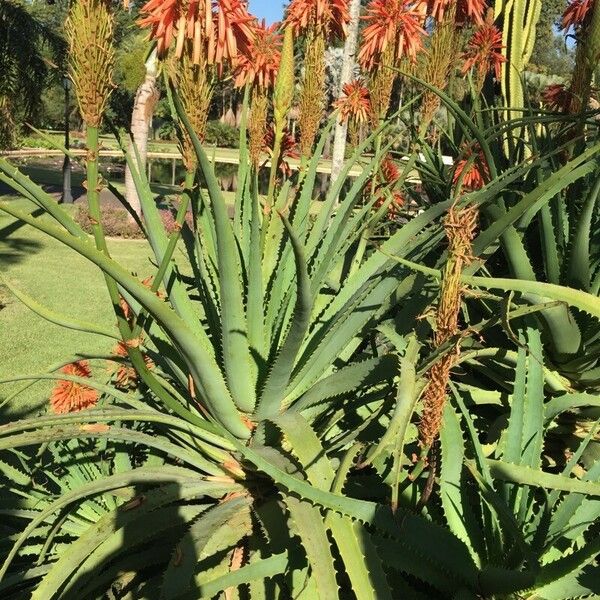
[271, 10]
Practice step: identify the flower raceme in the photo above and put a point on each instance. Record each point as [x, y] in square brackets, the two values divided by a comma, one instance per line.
[289, 149]
[396, 24]
[329, 17]
[466, 10]
[126, 376]
[383, 187]
[472, 174]
[223, 26]
[355, 102]
[70, 396]
[484, 52]
[557, 97]
[258, 63]
[576, 13]
[320, 21]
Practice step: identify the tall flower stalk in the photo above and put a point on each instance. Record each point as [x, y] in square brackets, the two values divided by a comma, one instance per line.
[584, 16]
[257, 68]
[441, 58]
[394, 31]
[283, 96]
[89, 30]
[321, 21]
[354, 108]
[194, 79]
[460, 226]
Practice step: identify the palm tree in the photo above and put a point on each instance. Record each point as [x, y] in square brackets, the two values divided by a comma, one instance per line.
[28, 48]
[347, 71]
[145, 102]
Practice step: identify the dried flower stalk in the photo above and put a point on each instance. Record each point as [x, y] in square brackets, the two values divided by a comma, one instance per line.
[195, 85]
[89, 30]
[444, 48]
[460, 226]
[381, 85]
[257, 125]
[311, 96]
[586, 60]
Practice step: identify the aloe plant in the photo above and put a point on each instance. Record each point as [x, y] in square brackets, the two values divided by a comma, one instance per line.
[255, 452]
[269, 450]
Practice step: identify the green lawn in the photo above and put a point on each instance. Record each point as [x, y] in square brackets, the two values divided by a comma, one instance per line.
[62, 280]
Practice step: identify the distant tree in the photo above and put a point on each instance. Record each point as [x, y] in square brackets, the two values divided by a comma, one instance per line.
[31, 53]
[551, 55]
[131, 53]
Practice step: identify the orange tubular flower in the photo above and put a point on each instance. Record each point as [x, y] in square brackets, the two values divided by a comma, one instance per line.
[355, 103]
[69, 396]
[390, 171]
[576, 13]
[331, 15]
[466, 10]
[477, 173]
[258, 63]
[289, 149]
[557, 97]
[484, 52]
[392, 23]
[126, 376]
[224, 31]
[390, 175]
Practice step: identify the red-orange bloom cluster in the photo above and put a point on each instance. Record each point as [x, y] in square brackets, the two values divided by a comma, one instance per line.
[127, 312]
[331, 16]
[474, 173]
[289, 149]
[70, 396]
[484, 51]
[557, 97]
[390, 171]
[259, 62]
[223, 31]
[355, 102]
[576, 13]
[396, 23]
[389, 177]
[125, 375]
[466, 10]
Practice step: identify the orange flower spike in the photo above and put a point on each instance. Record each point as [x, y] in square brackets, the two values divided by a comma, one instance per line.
[389, 22]
[70, 396]
[235, 29]
[466, 10]
[484, 52]
[258, 63]
[355, 102]
[477, 173]
[289, 149]
[125, 375]
[576, 13]
[557, 97]
[224, 30]
[332, 16]
[390, 170]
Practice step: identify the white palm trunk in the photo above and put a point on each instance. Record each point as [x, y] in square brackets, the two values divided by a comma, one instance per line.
[348, 65]
[146, 99]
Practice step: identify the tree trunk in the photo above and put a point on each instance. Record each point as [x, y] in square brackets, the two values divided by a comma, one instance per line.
[146, 99]
[348, 64]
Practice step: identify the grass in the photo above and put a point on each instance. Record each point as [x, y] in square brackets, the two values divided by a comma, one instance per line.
[63, 281]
